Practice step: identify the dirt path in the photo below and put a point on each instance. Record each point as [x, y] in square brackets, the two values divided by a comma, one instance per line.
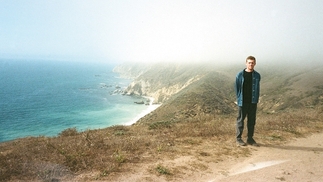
[299, 160]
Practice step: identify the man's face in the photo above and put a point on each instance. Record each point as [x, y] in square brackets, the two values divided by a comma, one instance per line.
[250, 64]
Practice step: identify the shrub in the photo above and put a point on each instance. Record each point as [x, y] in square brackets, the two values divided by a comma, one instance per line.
[162, 170]
[160, 124]
[68, 132]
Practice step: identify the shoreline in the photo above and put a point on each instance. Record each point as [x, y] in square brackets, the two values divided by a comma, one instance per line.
[128, 116]
[151, 107]
[143, 113]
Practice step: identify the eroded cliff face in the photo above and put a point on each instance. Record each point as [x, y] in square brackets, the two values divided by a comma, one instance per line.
[159, 91]
[160, 81]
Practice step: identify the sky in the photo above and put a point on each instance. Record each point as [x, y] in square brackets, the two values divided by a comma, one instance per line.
[162, 30]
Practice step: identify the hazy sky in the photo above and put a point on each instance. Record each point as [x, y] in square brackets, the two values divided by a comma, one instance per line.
[162, 30]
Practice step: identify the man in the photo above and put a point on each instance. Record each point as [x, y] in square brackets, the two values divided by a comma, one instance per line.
[247, 88]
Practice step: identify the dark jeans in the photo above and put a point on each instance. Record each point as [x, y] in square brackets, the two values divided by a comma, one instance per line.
[248, 110]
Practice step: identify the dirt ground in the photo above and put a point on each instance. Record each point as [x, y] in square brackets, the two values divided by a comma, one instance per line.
[299, 160]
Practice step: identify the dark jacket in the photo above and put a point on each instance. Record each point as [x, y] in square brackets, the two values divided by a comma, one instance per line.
[255, 87]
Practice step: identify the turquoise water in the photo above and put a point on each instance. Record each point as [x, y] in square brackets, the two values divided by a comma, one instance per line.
[45, 97]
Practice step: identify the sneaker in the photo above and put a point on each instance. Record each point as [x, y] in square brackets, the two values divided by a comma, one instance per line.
[240, 142]
[252, 142]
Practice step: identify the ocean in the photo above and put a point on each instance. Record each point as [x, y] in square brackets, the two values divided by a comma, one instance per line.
[43, 98]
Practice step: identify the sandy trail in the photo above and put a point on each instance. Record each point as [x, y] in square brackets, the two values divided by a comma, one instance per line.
[299, 160]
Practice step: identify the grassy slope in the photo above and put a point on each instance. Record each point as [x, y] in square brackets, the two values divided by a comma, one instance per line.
[211, 95]
[197, 122]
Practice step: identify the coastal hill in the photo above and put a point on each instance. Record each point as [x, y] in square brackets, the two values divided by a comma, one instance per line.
[185, 90]
[188, 90]
[160, 80]
[190, 133]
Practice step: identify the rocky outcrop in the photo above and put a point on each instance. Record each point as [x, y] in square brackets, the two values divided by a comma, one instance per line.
[160, 81]
[145, 88]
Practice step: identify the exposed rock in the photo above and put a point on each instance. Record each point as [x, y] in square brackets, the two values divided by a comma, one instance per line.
[161, 81]
[140, 102]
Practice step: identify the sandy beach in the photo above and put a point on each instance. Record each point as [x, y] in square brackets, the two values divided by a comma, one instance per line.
[151, 107]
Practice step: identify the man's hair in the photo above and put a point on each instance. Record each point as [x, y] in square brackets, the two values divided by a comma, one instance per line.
[251, 58]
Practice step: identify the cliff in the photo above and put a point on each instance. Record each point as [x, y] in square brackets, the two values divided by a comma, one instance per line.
[161, 80]
[185, 89]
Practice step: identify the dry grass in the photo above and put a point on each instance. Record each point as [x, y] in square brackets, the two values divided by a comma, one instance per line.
[105, 154]
[280, 127]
